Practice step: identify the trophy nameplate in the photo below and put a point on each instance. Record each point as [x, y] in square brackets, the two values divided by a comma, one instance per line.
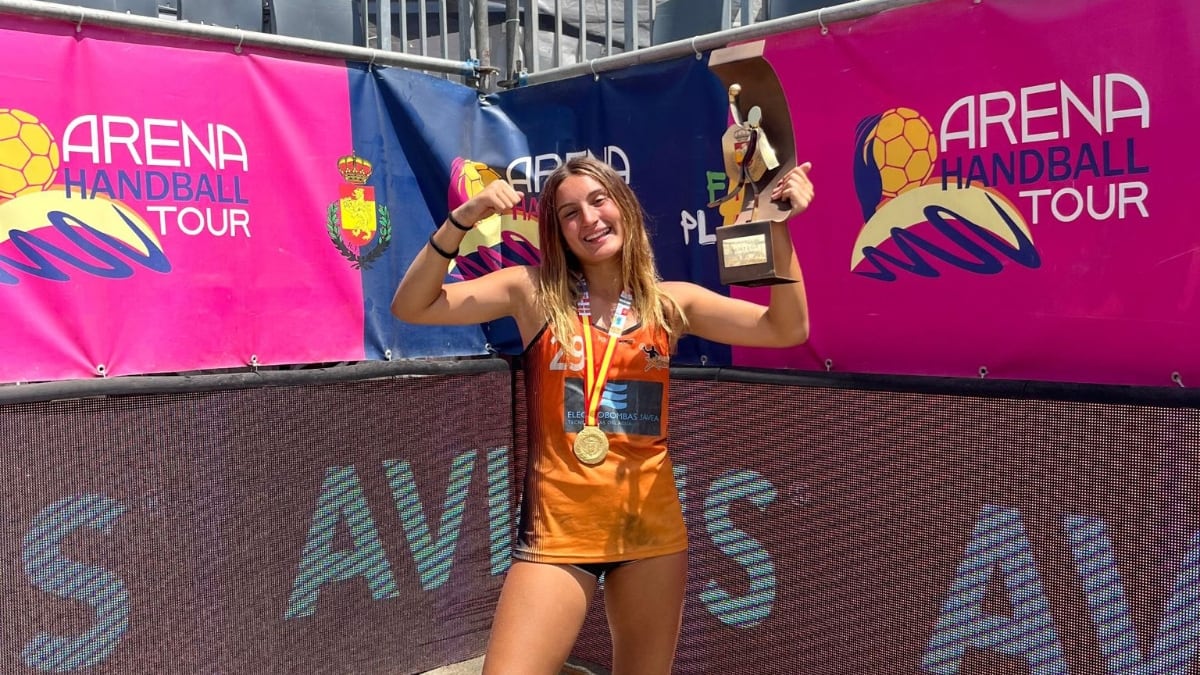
[758, 149]
[754, 253]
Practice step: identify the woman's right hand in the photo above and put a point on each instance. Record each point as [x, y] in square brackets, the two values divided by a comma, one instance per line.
[496, 197]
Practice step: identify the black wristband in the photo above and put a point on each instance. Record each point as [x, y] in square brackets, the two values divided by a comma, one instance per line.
[450, 217]
[445, 254]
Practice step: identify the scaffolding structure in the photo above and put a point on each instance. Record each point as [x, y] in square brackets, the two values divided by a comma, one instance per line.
[489, 44]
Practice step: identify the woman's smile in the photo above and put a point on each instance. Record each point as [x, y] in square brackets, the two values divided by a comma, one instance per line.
[590, 218]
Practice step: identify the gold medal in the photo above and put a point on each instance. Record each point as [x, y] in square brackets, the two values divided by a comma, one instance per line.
[591, 445]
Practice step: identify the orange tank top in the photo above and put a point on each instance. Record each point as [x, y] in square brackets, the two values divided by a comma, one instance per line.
[625, 508]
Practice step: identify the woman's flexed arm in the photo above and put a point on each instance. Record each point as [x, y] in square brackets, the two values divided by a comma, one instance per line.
[783, 322]
[423, 296]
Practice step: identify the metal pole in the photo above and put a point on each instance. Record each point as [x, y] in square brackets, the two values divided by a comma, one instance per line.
[383, 24]
[464, 34]
[364, 13]
[444, 26]
[557, 61]
[532, 36]
[631, 24]
[423, 27]
[608, 41]
[483, 43]
[84, 17]
[581, 48]
[512, 26]
[403, 14]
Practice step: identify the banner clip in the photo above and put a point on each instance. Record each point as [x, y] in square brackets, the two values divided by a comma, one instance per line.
[470, 69]
[79, 26]
[695, 51]
[592, 66]
[1178, 379]
[241, 39]
[821, 22]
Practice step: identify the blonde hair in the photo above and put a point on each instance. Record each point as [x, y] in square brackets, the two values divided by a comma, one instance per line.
[557, 285]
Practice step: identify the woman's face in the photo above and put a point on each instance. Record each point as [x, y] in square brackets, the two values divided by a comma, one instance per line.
[589, 218]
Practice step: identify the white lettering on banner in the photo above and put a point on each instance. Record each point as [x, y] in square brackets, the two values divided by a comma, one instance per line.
[697, 223]
[154, 142]
[1042, 117]
[1052, 113]
[999, 558]
[1068, 204]
[197, 198]
[527, 174]
[341, 504]
[193, 221]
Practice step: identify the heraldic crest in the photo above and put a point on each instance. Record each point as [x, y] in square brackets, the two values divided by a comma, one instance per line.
[355, 220]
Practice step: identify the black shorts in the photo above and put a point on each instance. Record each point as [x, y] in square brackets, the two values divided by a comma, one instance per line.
[598, 570]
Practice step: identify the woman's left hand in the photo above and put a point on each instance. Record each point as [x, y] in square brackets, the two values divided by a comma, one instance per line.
[795, 188]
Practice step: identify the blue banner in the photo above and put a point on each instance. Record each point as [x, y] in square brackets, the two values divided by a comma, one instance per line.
[658, 125]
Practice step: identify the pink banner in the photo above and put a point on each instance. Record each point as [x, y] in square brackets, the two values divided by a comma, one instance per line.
[168, 205]
[1004, 188]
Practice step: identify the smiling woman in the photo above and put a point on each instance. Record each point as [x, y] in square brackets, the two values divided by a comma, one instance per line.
[597, 323]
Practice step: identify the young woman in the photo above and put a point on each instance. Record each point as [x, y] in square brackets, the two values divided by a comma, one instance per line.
[598, 324]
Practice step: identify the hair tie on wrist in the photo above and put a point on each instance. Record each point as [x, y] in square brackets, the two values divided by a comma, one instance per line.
[445, 254]
[454, 222]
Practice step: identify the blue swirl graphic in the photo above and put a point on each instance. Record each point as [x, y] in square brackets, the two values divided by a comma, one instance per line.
[106, 264]
[980, 260]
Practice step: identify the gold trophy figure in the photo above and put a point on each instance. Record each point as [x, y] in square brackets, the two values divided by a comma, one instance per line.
[755, 249]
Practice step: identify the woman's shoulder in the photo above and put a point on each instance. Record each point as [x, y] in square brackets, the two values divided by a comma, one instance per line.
[682, 292]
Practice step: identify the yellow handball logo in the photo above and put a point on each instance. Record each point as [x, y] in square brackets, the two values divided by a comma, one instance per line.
[917, 223]
[117, 236]
[28, 154]
[904, 148]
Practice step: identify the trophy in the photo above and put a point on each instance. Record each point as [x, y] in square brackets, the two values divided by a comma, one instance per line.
[759, 150]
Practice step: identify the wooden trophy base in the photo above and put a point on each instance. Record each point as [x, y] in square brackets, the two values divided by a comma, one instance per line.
[755, 253]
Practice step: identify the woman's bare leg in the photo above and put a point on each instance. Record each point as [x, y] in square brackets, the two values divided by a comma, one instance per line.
[538, 617]
[644, 602]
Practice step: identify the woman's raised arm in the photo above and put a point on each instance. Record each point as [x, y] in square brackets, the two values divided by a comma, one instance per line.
[783, 322]
[423, 297]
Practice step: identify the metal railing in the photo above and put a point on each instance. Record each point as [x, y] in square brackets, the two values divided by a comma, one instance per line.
[82, 17]
[492, 44]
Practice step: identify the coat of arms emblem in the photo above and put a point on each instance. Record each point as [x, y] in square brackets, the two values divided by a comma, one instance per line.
[354, 221]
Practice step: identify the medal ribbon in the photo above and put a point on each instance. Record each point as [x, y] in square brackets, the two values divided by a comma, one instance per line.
[594, 381]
